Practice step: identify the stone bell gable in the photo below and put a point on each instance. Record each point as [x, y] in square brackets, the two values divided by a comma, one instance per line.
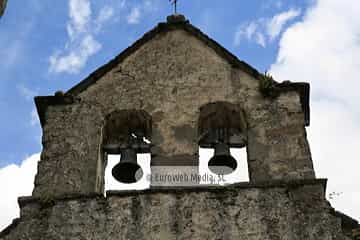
[179, 90]
[172, 73]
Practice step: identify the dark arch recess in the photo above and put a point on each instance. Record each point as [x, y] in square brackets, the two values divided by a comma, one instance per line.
[222, 115]
[122, 126]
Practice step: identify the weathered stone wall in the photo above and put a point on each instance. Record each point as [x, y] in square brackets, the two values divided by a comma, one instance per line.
[171, 77]
[277, 143]
[263, 212]
[71, 151]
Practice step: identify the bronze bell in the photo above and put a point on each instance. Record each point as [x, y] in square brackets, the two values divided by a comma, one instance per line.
[222, 162]
[127, 170]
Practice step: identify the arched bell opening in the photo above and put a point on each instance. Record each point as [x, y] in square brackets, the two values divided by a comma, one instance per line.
[126, 149]
[222, 144]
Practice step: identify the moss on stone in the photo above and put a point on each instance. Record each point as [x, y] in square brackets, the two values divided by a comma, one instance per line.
[268, 85]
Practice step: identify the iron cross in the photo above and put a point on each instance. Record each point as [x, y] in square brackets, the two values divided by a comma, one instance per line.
[174, 2]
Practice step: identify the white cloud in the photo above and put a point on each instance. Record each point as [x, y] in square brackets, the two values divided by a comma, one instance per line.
[75, 60]
[245, 30]
[276, 24]
[11, 52]
[260, 39]
[29, 95]
[326, 45]
[13, 43]
[82, 44]
[26, 92]
[324, 49]
[16, 181]
[106, 13]
[250, 31]
[134, 16]
[80, 16]
[34, 119]
[334, 138]
[264, 30]
[83, 27]
[151, 5]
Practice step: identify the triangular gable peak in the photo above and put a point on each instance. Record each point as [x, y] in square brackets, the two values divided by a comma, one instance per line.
[178, 22]
[174, 22]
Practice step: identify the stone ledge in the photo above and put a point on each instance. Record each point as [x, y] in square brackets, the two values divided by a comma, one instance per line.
[23, 201]
[42, 103]
[299, 205]
[232, 187]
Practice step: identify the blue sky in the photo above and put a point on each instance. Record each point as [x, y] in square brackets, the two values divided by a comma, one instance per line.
[48, 45]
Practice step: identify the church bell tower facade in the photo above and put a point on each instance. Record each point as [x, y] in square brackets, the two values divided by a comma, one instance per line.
[171, 92]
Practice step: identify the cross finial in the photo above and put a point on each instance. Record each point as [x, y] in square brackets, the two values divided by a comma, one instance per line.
[174, 2]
